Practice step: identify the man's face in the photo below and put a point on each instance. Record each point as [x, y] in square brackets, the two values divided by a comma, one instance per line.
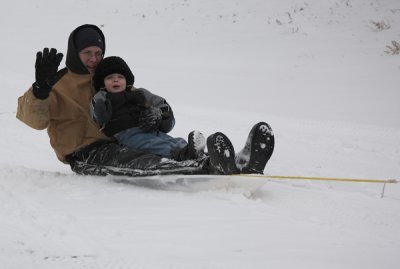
[91, 57]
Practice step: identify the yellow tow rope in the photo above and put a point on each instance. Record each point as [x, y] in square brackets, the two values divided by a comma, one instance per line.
[383, 181]
[326, 178]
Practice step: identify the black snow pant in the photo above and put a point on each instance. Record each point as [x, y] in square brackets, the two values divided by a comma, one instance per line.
[110, 158]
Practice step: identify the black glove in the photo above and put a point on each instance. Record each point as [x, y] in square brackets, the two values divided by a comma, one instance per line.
[46, 66]
[150, 119]
[101, 108]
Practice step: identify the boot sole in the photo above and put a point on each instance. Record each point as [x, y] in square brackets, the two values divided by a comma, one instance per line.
[222, 153]
[260, 146]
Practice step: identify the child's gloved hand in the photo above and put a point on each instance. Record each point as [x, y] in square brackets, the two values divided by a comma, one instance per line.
[150, 119]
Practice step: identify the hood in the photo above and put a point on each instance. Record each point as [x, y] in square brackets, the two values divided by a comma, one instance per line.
[73, 62]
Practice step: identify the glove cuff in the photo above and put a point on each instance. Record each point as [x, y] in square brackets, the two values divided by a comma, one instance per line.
[165, 111]
[40, 92]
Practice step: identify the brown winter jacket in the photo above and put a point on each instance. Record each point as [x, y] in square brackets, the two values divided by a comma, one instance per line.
[65, 113]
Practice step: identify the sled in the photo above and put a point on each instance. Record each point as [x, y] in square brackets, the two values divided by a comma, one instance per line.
[196, 183]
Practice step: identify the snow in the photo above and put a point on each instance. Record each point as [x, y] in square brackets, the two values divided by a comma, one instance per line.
[316, 71]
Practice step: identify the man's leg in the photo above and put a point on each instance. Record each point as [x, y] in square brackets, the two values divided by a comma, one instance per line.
[104, 158]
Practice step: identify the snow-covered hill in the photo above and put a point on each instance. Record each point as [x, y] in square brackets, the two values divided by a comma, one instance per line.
[317, 71]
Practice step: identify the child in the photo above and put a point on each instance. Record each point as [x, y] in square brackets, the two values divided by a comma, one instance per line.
[136, 117]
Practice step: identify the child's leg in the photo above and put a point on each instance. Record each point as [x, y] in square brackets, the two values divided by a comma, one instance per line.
[174, 142]
[153, 142]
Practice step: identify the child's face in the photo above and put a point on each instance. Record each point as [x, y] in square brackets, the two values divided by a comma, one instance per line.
[115, 82]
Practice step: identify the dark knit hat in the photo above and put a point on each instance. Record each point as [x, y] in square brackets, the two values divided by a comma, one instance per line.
[87, 37]
[111, 65]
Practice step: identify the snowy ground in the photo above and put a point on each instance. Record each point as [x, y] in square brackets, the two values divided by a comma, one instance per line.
[315, 70]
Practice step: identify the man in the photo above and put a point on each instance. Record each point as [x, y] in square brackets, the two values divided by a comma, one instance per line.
[59, 102]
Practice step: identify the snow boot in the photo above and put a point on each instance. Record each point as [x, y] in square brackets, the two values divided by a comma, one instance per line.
[193, 150]
[258, 149]
[196, 145]
[221, 154]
